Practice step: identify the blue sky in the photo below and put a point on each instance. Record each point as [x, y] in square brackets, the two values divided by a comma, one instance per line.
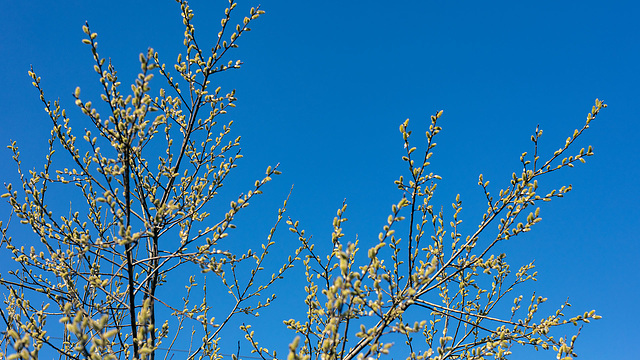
[326, 84]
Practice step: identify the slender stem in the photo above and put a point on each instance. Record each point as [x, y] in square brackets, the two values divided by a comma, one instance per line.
[128, 248]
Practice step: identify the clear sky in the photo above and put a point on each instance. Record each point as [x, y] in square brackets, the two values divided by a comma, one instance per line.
[326, 83]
